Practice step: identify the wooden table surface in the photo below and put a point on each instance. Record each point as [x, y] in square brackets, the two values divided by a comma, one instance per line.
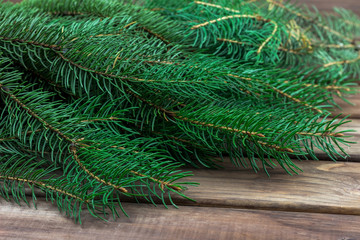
[323, 202]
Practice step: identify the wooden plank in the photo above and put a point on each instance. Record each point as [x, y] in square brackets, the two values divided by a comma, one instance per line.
[323, 187]
[354, 124]
[148, 222]
[347, 109]
[328, 5]
[354, 149]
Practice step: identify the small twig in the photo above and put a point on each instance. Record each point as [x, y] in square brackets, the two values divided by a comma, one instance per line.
[51, 46]
[257, 18]
[255, 45]
[7, 92]
[309, 19]
[45, 186]
[216, 6]
[101, 119]
[279, 91]
[15, 137]
[199, 123]
[162, 183]
[76, 157]
[221, 7]
[342, 62]
[321, 134]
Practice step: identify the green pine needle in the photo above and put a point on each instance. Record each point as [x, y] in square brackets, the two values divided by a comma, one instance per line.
[105, 100]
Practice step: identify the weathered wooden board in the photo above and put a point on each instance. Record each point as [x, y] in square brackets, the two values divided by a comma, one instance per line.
[148, 222]
[354, 149]
[323, 187]
[328, 5]
[354, 125]
[231, 203]
[347, 109]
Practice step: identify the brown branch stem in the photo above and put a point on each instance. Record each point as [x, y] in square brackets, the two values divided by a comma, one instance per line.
[34, 115]
[50, 46]
[280, 92]
[38, 183]
[199, 123]
[15, 137]
[256, 17]
[131, 171]
[342, 62]
[101, 119]
[162, 183]
[255, 45]
[309, 19]
[77, 159]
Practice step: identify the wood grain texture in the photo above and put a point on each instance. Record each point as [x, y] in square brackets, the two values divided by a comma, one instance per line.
[347, 109]
[328, 5]
[323, 187]
[148, 222]
[354, 149]
[231, 203]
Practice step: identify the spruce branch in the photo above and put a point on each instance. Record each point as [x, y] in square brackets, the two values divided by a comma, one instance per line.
[280, 92]
[58, 132]
[249, 44]
[7, 91]
[104, 99]
[76, 157]
[74, 152]
[308, 18]
[174, 115]
[257, 18]
[44, 185]
[342, 62]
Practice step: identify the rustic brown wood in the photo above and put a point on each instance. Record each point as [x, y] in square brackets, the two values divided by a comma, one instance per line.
[323, 187]
[354, 149]
[328, 5]
[148, 222]
[353, 125]
[347, 109]
[231, 203]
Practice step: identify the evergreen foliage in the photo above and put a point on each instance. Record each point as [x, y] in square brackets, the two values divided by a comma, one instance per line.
[104, 99]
